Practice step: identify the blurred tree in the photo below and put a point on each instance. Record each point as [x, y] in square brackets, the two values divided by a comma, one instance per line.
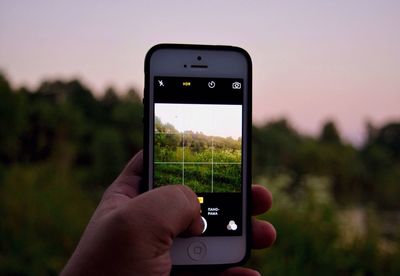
[12, 121]
[81, 98]
[109, 101]
[108, 156]
[133, 96]
[73, 92]
[60, 145]
[339, 162]
[381, 159]
[127, 118]
[330, 133]
[389, 138]
[309, 241]
[279, 143]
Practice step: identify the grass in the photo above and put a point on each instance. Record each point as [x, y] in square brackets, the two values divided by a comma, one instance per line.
[200, 177]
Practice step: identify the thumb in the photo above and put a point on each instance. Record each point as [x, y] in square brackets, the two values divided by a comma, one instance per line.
[129, 181]
[163, 213]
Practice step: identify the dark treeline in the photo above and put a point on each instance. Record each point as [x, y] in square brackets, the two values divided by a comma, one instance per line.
[169, 136]
[369, 174]
[64, 121]
[60, 146]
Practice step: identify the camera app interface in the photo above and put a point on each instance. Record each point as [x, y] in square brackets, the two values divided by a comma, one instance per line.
[198, 143]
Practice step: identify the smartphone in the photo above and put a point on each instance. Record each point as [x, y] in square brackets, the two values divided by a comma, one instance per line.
[198, 133]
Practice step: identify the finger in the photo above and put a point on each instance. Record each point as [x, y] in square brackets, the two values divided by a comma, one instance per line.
[128, 183]
[167, 212]
[135, 165]
[263, 234]
[262, 199]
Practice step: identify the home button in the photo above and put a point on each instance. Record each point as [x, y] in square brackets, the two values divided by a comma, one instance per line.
[197, 251]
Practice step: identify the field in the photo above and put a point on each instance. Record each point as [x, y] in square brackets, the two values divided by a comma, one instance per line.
[205, 163]
[336, 207]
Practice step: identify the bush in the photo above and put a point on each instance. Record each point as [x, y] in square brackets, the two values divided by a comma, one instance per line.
[310, 239]
[43, 213]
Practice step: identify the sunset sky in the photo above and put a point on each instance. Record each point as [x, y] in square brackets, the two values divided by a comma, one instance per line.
[312, 60]
[210, 119]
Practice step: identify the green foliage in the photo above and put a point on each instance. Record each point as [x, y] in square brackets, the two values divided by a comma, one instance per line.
[43, 213]
[279, 143]
[60, 146]
[329, 133]
[311, 237]
[12, 120]
[381, 158]
[315, 181]
[108, 155]
[185, 149]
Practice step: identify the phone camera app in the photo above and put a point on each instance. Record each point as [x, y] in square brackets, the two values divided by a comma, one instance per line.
[199, 144]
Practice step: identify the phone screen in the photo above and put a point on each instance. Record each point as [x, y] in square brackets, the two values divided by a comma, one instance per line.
[198, 128]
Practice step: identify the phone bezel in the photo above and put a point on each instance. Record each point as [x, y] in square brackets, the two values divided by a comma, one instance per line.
[222, 62]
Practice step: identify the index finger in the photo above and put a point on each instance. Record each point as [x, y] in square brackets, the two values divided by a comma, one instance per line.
[261, 198]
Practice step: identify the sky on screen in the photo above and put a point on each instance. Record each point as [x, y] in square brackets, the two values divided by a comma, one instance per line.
[215, 120]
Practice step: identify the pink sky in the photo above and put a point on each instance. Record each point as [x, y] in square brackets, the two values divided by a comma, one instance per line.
[312, 60]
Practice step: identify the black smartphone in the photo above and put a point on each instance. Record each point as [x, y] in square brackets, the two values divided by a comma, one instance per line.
[198, 133]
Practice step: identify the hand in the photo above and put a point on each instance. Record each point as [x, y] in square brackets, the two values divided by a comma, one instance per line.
[132, 233]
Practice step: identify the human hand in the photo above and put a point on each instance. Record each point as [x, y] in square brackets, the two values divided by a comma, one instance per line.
[132, 233]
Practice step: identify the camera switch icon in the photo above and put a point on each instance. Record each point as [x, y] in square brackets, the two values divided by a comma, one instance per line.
[236, 85]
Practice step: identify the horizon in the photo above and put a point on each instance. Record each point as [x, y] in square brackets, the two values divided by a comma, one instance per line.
[97, 94]
[311, 63]
[209, 119]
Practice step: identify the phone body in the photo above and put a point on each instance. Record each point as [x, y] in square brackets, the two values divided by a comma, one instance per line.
[197, 119]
